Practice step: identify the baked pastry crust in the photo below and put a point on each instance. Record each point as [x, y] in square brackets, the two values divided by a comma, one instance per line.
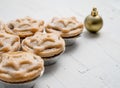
[44, 44]
[25, 27]
[9, 43]
[17, 67]
[66, 27]
[2, 26]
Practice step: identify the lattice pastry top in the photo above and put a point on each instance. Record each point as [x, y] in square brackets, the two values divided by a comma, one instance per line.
[25, 27]
[44, 44]
[66, 27]
[16, 67]
[9, 42]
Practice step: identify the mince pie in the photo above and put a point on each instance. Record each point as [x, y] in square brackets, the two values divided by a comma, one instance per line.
[66, 27]
[44, 44]
[17, 67]
[25, 27]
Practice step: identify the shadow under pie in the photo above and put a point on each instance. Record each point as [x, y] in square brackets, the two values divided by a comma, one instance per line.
[70, 40]
[53, 59]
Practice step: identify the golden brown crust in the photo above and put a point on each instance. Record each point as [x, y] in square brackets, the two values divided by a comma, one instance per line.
[2, 27]
[44, 44]
[66, 27]
[20, 66]
[9, 42]
[24, 27]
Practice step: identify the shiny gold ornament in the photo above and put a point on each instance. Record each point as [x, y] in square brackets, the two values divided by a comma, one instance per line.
[93, 22]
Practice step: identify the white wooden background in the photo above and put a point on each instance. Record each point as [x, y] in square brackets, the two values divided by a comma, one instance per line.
[94, 61]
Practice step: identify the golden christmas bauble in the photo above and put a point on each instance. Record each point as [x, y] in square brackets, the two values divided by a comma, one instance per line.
[93, 22]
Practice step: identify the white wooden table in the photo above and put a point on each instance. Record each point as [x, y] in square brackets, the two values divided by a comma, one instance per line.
[94, 61]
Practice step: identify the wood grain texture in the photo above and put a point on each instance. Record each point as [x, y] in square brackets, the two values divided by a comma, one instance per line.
[94, 61]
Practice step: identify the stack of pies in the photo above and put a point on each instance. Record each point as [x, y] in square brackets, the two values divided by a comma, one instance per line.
[26, 43]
